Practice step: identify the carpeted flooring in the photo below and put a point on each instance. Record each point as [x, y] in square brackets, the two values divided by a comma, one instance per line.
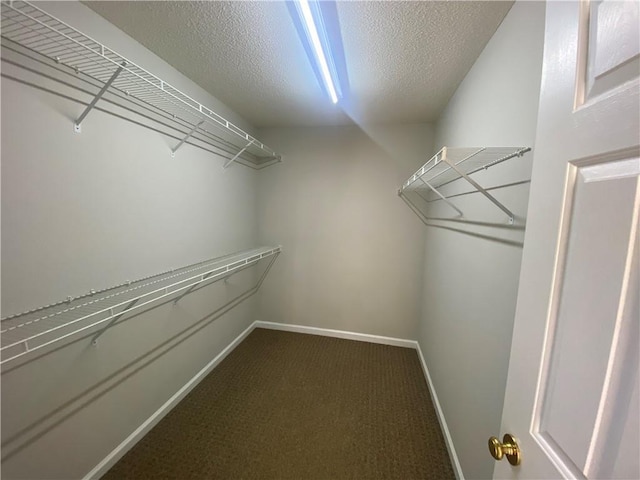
[293, 406]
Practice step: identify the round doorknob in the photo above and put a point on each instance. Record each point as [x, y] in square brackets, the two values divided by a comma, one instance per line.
[509, 448]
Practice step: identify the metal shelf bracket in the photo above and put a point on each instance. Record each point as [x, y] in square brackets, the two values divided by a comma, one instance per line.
[442, 197]
[229, 162]
[94, 340]
[190, 289]
[413, 207]
[77, 126]
[482, 190]
[191, 132]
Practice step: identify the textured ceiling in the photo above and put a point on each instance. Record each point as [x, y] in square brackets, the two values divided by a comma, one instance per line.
[404, 59]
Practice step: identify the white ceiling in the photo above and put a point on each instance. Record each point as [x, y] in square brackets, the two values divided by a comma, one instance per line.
[404, 59]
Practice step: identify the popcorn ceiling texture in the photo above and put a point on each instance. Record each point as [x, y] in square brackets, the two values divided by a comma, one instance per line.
[404, 59]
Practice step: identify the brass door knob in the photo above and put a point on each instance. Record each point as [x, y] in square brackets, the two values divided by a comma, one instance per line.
[509, 448]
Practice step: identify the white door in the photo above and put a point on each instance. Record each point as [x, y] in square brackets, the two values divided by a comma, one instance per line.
[572, 392]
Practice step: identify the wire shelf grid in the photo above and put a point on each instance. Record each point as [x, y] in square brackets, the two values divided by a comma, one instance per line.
[438, 171]
[31, 27]
[25, 332]
[451, 164]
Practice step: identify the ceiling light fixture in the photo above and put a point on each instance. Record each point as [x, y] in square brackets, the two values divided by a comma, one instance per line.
[321, 57]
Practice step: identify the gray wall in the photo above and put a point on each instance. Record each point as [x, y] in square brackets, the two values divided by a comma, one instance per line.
[353, 251]
[471, 269]
[87, 211]
[90, 211]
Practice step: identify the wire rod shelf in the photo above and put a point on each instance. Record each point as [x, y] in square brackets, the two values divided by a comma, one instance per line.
[451, 164]
[35, 329]
[36, 30]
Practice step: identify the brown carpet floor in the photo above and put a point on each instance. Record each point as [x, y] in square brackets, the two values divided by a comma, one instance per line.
[293, 406]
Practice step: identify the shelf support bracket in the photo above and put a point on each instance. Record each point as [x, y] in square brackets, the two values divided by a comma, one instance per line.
[188, 290]
[264, 274]
[191, 132]
[482, 190]
[246, 264]
[94, 340]
[442, 197]
[230, 273]
[229, 162]
[77, 125]
[413, 208]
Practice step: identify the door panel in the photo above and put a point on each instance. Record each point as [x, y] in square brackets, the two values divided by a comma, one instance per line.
[613, 50]
[623, 453]
[601, 203]
[571, 398]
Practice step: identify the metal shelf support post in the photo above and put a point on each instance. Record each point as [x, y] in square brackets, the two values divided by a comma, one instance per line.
[77, 125]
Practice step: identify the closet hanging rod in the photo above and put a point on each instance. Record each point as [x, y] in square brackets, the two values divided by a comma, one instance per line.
[38, 31]
[30, 331]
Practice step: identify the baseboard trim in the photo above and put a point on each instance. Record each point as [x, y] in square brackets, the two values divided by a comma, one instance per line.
[327, 332]
[455, 463]
[117, 453]
[151, 422]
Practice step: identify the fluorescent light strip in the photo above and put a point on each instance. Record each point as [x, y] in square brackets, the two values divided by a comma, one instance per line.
[317, 46]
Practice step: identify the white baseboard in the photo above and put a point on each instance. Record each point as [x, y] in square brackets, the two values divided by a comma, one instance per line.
[457, 469]
[327, 332]
[117, 453]
[151, 422]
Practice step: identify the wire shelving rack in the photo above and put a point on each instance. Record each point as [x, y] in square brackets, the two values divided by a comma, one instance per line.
[451, 164]
[38, 328]
[34, 29]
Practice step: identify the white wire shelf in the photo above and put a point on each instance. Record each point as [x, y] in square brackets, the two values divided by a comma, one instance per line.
[451, 164]
[38, 31]
[30, 331]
